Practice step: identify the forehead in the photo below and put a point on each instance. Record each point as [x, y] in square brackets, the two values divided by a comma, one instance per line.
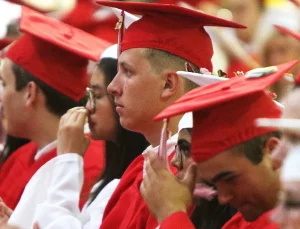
[225, 161]
[134, 56]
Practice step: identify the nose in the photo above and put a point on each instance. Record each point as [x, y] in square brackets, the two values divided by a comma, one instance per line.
[88, 106]
[114, 88]
[224, 196]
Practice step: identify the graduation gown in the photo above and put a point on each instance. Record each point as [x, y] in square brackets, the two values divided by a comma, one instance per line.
[177, 220]
[56, 204]
[263, 222]
[127, 208]
[16, 172]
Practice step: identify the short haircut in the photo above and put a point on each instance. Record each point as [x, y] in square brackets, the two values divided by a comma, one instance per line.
[160, 60]
[253, 148]
[56, 102]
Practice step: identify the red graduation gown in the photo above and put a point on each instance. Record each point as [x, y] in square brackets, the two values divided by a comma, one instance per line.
[177, 220]
[127, 208]
[16, 172]
[238, 222]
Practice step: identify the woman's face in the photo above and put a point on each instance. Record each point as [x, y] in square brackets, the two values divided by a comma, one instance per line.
[103, 120]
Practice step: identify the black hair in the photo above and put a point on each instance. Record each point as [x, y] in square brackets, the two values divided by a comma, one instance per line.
[128, 144]
[11, 145]
[56, 102]
[253, 148]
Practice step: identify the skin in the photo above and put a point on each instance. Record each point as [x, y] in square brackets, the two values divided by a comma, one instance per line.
[252, 189]
[284, 216]
[103, 125]
[140, 94]
[246, 13]
[31, 103]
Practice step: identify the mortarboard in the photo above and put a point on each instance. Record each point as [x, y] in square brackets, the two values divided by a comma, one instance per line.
[288, 32]
[55, 52]
[224, 113]
[170, 28]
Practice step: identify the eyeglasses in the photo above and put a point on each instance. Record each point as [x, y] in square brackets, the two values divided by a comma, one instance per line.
[91, 98]
[181, 153]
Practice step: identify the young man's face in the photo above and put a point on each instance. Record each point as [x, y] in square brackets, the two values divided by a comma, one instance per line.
[252, 189]
[12, 100]
[137, 90]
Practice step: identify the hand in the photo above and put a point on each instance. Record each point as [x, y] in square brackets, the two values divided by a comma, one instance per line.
[5, 213]
[162, 191]
[70, 137]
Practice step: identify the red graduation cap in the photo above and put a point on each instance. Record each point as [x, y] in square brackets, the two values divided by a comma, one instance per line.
[55, 52]
[170, 28]
[224, 113]
[288, 32]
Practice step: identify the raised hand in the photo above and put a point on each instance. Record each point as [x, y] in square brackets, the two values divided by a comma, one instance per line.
[70, 137]
[162, 191]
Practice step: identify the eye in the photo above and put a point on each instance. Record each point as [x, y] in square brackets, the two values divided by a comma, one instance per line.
[99, 96]
[230, 179]
[127, 72]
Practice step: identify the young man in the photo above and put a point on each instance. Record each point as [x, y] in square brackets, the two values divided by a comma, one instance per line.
[152, 50]
[43, 75]
[232, 154]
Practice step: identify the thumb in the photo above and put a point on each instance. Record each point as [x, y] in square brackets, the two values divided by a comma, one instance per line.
[190, 177]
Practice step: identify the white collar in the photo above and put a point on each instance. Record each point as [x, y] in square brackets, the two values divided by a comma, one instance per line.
[46, 149]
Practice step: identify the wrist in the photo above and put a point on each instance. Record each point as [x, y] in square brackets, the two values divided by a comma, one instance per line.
[168, 212]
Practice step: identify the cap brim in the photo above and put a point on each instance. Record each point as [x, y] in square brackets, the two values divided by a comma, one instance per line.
[62, 35]
[214, 94]
[142, 8]
[288, 32]
[201, 79]
[285, 124]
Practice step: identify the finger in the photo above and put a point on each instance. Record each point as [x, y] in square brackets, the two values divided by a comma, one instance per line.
[36, 226]
[81, 118]
[150, 174]
[155, 161]
[190, 177]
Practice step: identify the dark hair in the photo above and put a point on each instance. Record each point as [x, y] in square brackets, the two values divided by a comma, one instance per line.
[56, 102]
[11, 144]
[128, 144]
[210, 214]
[159, 60]
[253, 148]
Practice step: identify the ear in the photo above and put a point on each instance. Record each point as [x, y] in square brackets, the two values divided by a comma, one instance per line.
[271, 144]
[172, 83]
[31, 93]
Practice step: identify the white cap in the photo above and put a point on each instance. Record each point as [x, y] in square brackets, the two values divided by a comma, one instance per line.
[201, 79]
[110, 52]
[129, 18]
[283, 123]
[186, 121]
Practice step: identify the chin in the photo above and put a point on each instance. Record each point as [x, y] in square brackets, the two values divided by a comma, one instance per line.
[252, 216]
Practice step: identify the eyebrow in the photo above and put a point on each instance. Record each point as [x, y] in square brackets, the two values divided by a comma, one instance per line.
[97, 87]
[220, 176]
[124, 64]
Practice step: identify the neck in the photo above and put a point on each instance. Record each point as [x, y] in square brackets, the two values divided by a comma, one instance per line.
[44, 130]
[153, 134]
